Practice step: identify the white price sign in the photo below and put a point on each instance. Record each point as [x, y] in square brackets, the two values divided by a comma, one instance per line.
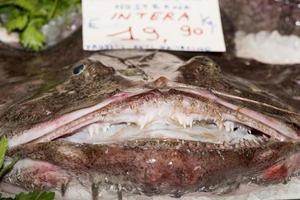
[185, 25]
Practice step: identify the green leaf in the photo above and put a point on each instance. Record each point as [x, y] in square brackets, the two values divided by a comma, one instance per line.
[29, 5]
[36, 195]
[6, 10]
[17, 23]
[65, 5]
[8, 13]
[28, 16]
[9, 167]
[32, 38]
[3, 149]
[53, 10]
[5, 198]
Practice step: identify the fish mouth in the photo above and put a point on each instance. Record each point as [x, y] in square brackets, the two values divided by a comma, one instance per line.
[164, 115]
[181, 113]
[160, 141]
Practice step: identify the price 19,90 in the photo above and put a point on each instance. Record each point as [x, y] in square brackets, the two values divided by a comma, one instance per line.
[152, 34]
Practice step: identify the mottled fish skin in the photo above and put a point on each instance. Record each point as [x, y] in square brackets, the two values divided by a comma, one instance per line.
[171, 167]
[41, 88]
[105, 75]
[108, 75]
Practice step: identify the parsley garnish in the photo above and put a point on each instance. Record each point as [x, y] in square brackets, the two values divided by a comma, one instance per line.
[36, 195]
[28, 16]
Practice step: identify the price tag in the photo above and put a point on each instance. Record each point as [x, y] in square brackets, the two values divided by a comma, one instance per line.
[185, 25]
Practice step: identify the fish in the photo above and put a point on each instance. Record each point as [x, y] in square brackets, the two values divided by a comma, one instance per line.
[149, 123]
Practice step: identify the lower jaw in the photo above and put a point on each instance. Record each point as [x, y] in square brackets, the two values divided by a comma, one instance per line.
[153, 167]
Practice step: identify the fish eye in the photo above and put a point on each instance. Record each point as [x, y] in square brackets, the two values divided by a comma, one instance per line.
[78, 69]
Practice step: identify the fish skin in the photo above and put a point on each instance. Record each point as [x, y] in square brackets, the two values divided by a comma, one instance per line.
[39, 87]
[169, 166]
[99, 82]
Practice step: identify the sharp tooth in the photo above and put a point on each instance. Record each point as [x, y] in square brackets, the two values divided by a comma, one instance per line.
[240, 143]
[191, 123]
[142, 126]
[260, 140]
[186, 122]
[91, 130]
[183, 121]
[240, 128]
[253, 143]
[184, 125]
[229, 126]
[247, 143]
[105, 127]
[237, 145]
[256, 142]
[143, 123]
[222, 146]
[243, 142]
[265, 138]
[220, 125]
[227, 145]
[179, 120]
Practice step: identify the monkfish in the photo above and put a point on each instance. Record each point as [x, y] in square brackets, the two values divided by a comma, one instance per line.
[148, 123]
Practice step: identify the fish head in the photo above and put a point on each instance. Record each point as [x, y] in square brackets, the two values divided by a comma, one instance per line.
[119, 112]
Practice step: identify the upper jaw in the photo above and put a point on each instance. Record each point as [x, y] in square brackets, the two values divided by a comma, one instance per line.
[190, 104]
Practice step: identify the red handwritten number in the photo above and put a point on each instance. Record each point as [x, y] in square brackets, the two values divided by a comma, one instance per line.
[151, 31]
[189, 31]
[129, 31]
[186, 29]
[154, 34]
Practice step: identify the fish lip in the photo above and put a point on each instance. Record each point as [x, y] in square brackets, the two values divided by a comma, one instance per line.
[202, 94]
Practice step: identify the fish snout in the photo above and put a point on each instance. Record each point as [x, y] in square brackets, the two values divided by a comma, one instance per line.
[161, 82]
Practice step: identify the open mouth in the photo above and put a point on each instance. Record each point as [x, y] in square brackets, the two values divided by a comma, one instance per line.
[172, 117]
[195, 130]
[162, 141]
[161, 114]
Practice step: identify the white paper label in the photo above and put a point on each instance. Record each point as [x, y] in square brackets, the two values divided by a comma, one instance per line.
[185, 25]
